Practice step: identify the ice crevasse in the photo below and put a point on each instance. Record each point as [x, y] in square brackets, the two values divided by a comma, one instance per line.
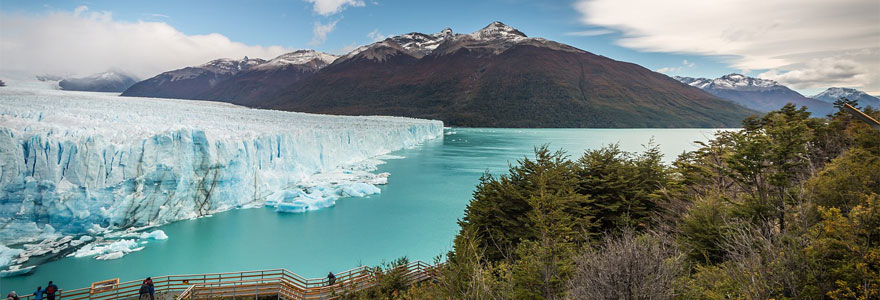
[75, 163]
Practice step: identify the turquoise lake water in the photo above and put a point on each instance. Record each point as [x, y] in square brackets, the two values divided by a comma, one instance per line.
[414, 216]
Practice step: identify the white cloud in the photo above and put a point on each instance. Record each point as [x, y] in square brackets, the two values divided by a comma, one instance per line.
[665, 70]
[330, 7]
[79, 10]
[822, 73]
[688, 64]
[684, 63]
[80, 43]
[781, 35]
[320, 32]
[593, 32]
[376, 36]
[157, 16]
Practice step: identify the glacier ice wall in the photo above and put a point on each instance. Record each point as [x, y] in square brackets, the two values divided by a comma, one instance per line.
[90, 162]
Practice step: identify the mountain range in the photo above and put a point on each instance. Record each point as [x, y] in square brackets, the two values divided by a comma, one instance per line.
[833, 94]
[759, 94]
[494, 77]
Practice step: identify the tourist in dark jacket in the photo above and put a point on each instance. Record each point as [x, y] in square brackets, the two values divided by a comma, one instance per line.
[144, 291]
[152, 288]
[331, 279]
[12, 296]
[51, 289]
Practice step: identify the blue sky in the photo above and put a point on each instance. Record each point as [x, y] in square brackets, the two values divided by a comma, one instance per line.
[611, 28]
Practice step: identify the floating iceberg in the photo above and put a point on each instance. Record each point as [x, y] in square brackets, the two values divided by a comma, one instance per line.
[16, 271]
[106, 250]
[7, 254]
[155, 235]
[74, 163]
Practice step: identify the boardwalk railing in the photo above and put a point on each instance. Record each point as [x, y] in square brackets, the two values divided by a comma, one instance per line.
[251, 284]
[862, 116]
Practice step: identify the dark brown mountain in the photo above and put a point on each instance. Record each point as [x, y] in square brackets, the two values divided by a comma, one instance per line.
[498, 77]
[234, 81]
[265, 80]
[495, 77]
[190, 82]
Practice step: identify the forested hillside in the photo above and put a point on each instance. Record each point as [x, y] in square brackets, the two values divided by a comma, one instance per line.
[786, 208]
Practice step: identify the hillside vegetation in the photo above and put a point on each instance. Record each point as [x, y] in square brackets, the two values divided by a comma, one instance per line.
[786, 208]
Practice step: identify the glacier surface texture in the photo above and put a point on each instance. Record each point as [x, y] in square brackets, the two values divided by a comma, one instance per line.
[76, 163]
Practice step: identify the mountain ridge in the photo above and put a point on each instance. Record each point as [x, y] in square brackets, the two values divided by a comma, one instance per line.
[494, 77]
[203, 82]
[759, 94]
[834, 93]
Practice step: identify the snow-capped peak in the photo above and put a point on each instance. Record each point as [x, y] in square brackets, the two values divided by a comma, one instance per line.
[695, 82]
[224, 66]
[735, 80]
[837, 92]
[417, 43]
[313, 58]
[422, 43]
[494, 39]
[232, 66]
[833, 94]
[498, 30]
[729, 81]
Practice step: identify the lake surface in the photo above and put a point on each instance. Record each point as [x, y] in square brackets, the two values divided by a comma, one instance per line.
[414, 216]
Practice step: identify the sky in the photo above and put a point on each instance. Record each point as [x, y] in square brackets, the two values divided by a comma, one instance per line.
[808, 45]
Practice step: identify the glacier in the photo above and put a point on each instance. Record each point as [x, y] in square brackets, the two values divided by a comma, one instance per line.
[82, 163]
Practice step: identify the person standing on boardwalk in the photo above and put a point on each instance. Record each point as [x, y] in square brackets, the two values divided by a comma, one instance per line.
[152, 288]
[144, 291]
[50, 291]
[331, 279]
[38, 295]
[12, 296]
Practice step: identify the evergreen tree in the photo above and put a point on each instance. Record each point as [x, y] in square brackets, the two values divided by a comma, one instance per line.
[624, 187]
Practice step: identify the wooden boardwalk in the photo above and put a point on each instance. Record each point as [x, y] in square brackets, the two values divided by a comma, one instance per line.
[276, 283]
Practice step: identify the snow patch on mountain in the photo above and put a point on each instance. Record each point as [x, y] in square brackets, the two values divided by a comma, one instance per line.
[314, 59]
[837, 93]
[731, 81]
[496, 38]
[222, 66]
[310, 59]
[231, 66]
[422, 43]
[834, 93]
[498, 31]
[756, 93]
